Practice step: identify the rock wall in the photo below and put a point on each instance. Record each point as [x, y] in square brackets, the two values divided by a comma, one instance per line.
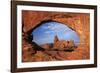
[77, 21]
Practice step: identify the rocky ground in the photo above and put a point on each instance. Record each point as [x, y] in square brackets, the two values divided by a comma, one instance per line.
[29, 54]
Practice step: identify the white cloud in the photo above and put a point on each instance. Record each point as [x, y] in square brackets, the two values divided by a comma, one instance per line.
[56, 28]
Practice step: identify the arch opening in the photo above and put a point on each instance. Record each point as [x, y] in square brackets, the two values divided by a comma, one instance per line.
[55, 35]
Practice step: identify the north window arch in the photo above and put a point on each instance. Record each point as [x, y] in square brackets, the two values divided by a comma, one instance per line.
[44, 33]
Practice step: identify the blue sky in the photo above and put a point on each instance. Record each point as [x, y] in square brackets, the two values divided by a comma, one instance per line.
[47, 31]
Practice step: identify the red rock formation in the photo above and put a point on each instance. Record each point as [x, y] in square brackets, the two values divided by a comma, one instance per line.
[77, 21]
[56, 39]
[80, 22]
[62, 44]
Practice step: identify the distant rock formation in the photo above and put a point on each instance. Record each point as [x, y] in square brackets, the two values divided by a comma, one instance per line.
[56, 39]
[63, 44]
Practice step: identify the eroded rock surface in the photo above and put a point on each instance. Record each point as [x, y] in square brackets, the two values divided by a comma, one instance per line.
[77, 21]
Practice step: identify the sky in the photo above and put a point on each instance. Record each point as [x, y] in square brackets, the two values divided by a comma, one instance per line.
[48, 30]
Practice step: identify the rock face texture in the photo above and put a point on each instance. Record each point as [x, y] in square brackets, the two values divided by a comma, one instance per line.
[79, 22]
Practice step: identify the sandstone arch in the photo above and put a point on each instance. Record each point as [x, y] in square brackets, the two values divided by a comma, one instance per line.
[77, 21]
